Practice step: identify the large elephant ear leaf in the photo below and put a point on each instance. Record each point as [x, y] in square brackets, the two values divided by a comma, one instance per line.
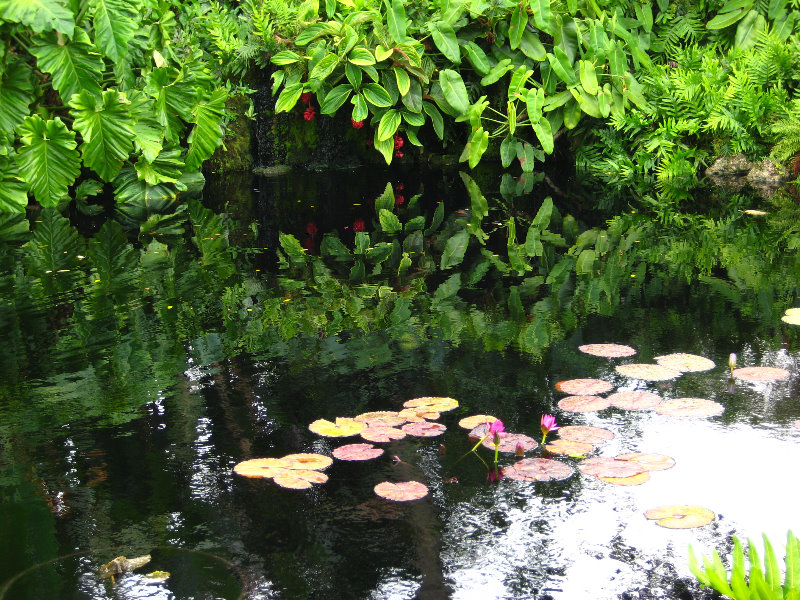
[115, 24]
[106, 126]
[75, 66]
[39, 15]
[13, 191]
[207, 132]
[47, 158]
[16, 94]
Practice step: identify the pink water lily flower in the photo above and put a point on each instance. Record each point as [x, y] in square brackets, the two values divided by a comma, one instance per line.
[548, 425]
[496, 427]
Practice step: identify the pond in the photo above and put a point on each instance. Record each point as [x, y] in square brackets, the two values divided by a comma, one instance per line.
[133, 382]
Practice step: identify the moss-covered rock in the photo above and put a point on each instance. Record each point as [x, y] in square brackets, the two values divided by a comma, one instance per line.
[235, 154]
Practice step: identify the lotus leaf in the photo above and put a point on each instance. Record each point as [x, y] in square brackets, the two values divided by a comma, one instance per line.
[584, 387]
[569, 447]
[651, 462]
[690, 407]
[261, 467]
[608, 350]
[648, 372]
[475, 420]
[432, 404]
[357, 452]
[401, 492]
[686, 363]
[632, 480]
[634, 400]
[317, 462]
[585, 434]
[761, 373]
[538, 469]
[343, 427]
[413, 415]
[424, 429]
[680, 516]
[385, 418]
[509, 441]
[609, 467]
[583, 403]
[382, 434]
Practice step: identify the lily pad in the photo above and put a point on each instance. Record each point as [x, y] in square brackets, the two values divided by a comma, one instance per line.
[432, 404]
[796, 424]
[381, 434]
[299, 479]
[424, 429]
[609, 467]
[475, 420]
[585, 434]
[569, 447]
[686, 363]
[761, 373]
[791, 319]
[384, 418]
[357, 452]
[414, 415]
[647, 371]
[680, 516]
[690, 407]
[538, 469]
[583, 403]
[649, 461]
[401, 492]
[634, 400]
[318, 462]
[608, 350]
[584, 387]
[479, 432]
[632, 480]
[343, 427]
[261, 467]
[509, 441]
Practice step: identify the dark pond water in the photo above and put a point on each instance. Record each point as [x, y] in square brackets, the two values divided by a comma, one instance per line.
[123, 410]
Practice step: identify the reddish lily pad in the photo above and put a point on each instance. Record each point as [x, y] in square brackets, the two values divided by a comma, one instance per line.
[609, 467]
[796, 424]
[343, 427]
[479, 432]
[607, 350]
[538, 469]
[569, 447]
[261, 467]
[584, 387]
[680, 516]
[475, 420]
[382, 434]
[414, 415]
[583, 403]
[585, 434]
[648, 372]
[761, 373]
[690, 407]
[509, 441]
[432, 404]
[300, 479]
[357, 452]
[383, 418]
[634, 400]
[685, 363]
[424, 429]
[632, 480]
[651, 462]
[401, 492]
[317, 462]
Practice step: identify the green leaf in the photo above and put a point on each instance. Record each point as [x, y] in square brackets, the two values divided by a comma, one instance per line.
[333, 247]
[286, 57]
[544, 134]
[335, 98]
[292, 247]
[477, 58]
[403, 80]
[772, 571]
[588, 77]
[324, 67]
[16, 93]
[532, 47]
[112, 257]
[500, 69]
[166, 168]
[289, 97]
[438, 217]
[534, 102]
[454, 90]
[543, 215]
[541, 14]
[206, 135]
[377, 95]
[479, 144]
[354, 75]
[385, 147]
[738, 582]
[413, 99]
[436, 118]
[448, 288]
[75, 66]
[519, 21]
[445, 39]
[55, 243]
[792, 581]
[362, 242]
[644, 12]
[13, 191]
[726, 19]
[175, 97]
[508, 150]
[533, 243]
[560, 63]
[312, 32]
[361, 57]
[748, 30]
[386, 199]
[454, 250]
[585, 263]
[115, 24]
[360, 111]
[388, 125]
[379, 253]
[39, 15]
[396, 20]
[47, 158]
[148, 134]
[389, 222]
[106, 126]
[634, 92]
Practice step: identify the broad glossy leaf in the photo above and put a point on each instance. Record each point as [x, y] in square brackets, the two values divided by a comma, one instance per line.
[749, 28]
[500, 69]
[55, 243]
[343, 427]
[312, 32]
[166, 168]
[335, 98]
[396, 20]
[286, 57]
[532, 47]
[47, 158]
[389, 222]
[680, 516]
[206, 135]
[445, 39]
[289, 96]
[115, 24]
[74, 66]
[13, 191]
[113, 258]
[385, 147]
[541, 14]
[470, 423]
[436, 118]
[588, 77]
[361, 57]
[477, 58]
[377, 95]
[544, 134]
[454, 250]
[388, 124]
[479, 144]
[726, 19]
[39, 15]
[175, 98]
[16, 93]
[508, 150]
[454, 90]
[519, 21]
[562, 66]
[147, 131]
[106, 126]
[324, 67]
[402, 79]
[360, 111]
[413, 99]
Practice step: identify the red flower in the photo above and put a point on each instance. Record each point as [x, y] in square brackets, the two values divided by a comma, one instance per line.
[398, 142]
[309, 114]
[399, 187]
[311, 229]
[358, 225]
[305, 97]
[398, 154]
[368, 142]
[357, 124]
[399, 200]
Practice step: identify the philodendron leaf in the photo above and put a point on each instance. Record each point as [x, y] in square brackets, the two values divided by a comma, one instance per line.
[16, 93]
[74, 66]
[207, 132]
[148, 135]
[396, 19]
[13, 191]
[541, 14]
[445, 39]
[115, 24]
[166, 168]
[106, 127]
[479, 144]
[55, 243]
[454, 250]
[47, 158]
[39, 15]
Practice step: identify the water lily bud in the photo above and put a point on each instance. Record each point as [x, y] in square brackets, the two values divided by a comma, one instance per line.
[519, 451]
[732, 361]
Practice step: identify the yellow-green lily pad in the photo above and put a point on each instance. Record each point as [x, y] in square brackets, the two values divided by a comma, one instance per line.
[585, 434]
[382, 434]
[351, 452]
[569, 447]
[648, 460]
[475, 420]
[343, 427]
[432, 404]
[637, 479]
[383, 418]
[538, 469]
[680, 516]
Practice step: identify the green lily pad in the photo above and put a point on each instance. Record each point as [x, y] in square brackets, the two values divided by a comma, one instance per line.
[509, 441]
[475, 420]
[690, 407]
[650, 461]
[648, 372]
[634, 400]
[584, 387]
[583, 403]
[585, 434]
[343, 427]
[381, 434]
[424, 429]
[538, 469]
[685, 363]
[609, 467]
[608, 350]
[757, 374]
[680, 516]
[401, 492]
[357, 452]
[569, 447]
